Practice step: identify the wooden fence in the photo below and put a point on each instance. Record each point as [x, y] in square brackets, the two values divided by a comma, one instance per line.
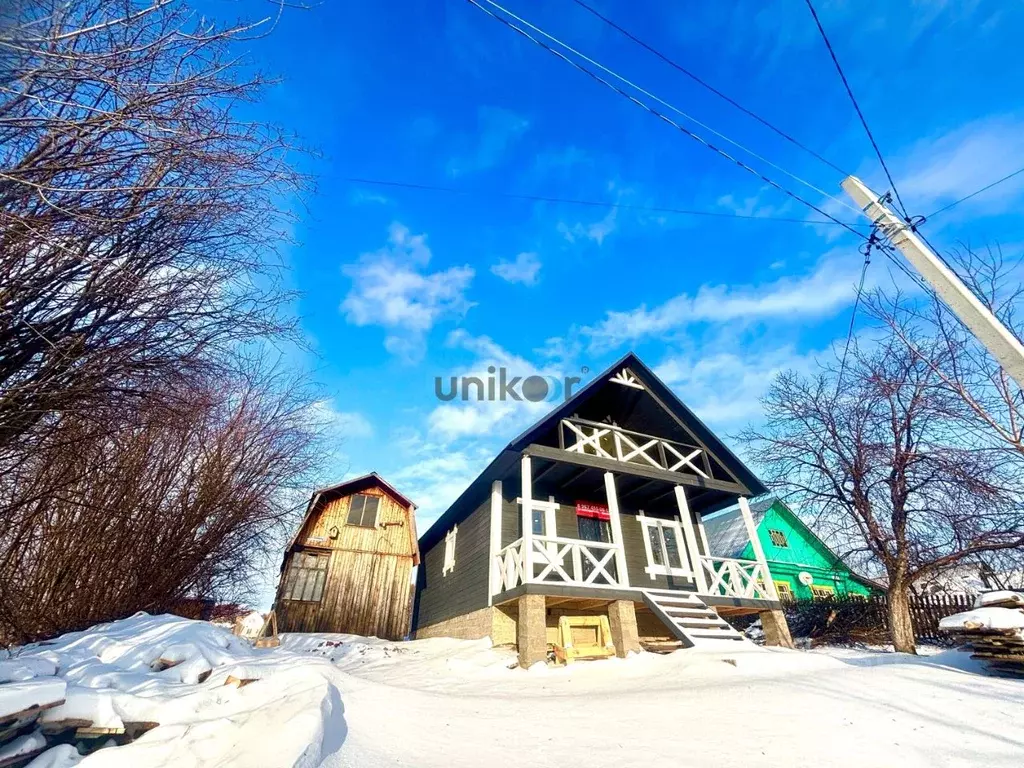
[927, 611]
[866, 620]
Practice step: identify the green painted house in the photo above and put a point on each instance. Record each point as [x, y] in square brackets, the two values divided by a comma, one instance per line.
[802, 567]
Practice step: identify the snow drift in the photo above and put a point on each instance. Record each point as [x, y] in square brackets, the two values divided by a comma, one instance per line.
[277, 708]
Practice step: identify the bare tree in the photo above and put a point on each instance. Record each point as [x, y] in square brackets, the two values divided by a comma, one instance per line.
[170, 505]
[143, 456]
[882, 459]
[991, 402]
[137, 211]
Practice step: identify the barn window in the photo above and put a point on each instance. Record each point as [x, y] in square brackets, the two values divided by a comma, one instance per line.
[449, 551]
[362, 510]
[306, 577]
[778, 538]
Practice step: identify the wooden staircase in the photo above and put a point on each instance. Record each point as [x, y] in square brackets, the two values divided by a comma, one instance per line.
[689, 619]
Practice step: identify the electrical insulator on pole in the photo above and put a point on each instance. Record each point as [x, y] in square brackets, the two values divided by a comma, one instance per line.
[986, 327]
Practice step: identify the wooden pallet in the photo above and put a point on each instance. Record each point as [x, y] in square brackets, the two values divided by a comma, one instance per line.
[583, 637]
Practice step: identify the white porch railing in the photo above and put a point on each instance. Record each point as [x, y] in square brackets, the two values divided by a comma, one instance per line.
[735, 578]
[509, 565]
[556, 560]
[610, 442]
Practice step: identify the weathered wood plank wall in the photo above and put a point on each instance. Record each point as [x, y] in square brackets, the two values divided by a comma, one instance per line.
[368, 577]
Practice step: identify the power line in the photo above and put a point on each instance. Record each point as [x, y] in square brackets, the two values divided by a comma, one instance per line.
[856, 304]
[668, 120]
[638, 88]
[856, 106]
[987, 187]
[589, 203]
[700, 81]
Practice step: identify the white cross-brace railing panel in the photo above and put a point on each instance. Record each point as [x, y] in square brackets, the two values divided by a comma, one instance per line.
[632, 447]
[509, 562]
[558, 560]
[574, 561]
[735, 578]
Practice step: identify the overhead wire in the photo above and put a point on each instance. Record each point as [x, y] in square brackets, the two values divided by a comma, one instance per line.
[703, 83]
[986, 188]
[856, 106]
[872, 240]
[590, 203]
[641, 90]
[666, 119]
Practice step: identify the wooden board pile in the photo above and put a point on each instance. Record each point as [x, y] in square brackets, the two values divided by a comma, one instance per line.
[994, 630]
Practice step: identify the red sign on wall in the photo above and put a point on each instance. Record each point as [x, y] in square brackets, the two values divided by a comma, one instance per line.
[587, 509]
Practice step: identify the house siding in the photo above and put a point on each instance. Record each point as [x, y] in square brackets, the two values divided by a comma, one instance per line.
[803, 553]
[463, 590]
[366, 590]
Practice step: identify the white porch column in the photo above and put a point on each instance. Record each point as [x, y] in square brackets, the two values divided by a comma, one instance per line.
[755, 543]
[495, 576]
[696, 564]
[526, 494]
[616, 526]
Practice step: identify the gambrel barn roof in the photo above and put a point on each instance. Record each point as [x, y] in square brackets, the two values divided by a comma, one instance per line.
[349, 487]
[651, 407]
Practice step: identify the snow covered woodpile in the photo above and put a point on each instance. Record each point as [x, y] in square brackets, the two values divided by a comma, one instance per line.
[134, 692]
[994, 629]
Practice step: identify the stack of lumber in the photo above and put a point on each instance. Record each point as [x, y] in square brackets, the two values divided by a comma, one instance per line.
[994, 630]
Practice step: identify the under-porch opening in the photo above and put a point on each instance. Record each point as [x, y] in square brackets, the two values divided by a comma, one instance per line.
[654, 620]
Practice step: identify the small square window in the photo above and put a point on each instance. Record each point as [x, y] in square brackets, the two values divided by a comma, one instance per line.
[362, 510]
[778, 538]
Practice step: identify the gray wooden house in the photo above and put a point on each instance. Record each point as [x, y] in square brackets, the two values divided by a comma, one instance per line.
[598, 509]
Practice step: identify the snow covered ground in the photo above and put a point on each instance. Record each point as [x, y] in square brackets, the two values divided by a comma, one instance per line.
[341, 701]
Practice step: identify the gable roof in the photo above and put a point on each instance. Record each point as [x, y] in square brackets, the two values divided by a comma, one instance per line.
[504, 462]
[348, 487]
[357, 484]
[727, 533]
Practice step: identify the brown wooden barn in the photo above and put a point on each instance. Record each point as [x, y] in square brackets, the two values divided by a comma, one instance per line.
[348, 567]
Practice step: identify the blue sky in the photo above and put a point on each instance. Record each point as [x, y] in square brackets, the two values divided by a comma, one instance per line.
[399, 286]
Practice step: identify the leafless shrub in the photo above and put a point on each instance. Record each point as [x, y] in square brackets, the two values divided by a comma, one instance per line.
[136, 208]
[166, 507]
[144, 458]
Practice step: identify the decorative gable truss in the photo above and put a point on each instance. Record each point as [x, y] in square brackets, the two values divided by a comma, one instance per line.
[627, 378]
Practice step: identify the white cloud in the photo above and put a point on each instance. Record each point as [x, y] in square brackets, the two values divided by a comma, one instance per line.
[391, 288]
[523, 270]
[725, 388]
[497, 130]
[348, 424]
[460, 419]
[434, 482]
[365, 196]
[828, 288]
[595, 231]
[353, 425]
[948, 167]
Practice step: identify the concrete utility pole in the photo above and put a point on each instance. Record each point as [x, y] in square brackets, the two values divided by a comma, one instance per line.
[996, 337]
